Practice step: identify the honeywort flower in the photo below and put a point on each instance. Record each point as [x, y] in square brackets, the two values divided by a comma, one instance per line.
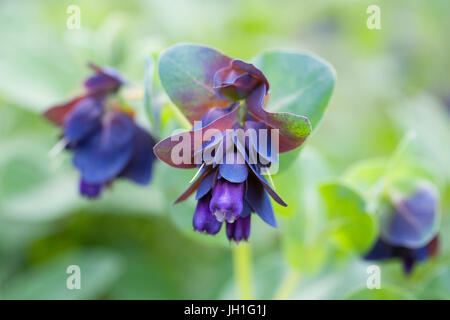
[408, 230]
[234, 141]
[103, 136]
[104, 81]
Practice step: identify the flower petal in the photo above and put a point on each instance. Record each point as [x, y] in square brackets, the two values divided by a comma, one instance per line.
[83, 120]
[186, 72]
[262, 143]
[194, 186]
[256, 171]
[105, 154]
[203, 220]
[238, 80]
[233, 86]
[163, 149]
[239, 230]
[105, 80]
[234, 172]
[206, 184]
[139, 169]
[227, 200]
[212, 115]
[247, 210]
[433, 246]
[251, 69]
[293, 128]
[260, 202]
[57, 114]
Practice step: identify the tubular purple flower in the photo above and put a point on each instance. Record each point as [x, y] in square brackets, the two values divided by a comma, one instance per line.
[103, 82]
[239, 188]
[239, 230]
[227, 200]
[203, 220]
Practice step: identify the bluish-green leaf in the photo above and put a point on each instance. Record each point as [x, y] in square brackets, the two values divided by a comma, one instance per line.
[299, 83]
[187, 73]
[302, 224]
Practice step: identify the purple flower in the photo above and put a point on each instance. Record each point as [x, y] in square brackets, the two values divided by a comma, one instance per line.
[229, 191]
[408, 230]
[103, 82]
[105, 140]
[204, 220]
[239, 230]
[224, 99]
[227, 200]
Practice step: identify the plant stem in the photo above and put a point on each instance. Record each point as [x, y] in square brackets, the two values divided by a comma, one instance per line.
[380, 186]
[288, 285]
[148, 90]
[242, 270]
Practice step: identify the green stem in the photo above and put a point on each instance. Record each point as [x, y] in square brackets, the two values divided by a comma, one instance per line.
[288, 285]
[242, 270]
[148, 86]
[380, 186]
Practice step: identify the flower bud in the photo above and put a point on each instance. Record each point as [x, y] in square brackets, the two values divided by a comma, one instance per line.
[238, 80]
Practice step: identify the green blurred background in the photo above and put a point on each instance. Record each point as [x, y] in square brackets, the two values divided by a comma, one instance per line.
[133, 243]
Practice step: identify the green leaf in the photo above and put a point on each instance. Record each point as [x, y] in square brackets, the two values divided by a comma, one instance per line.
[99, 269]
[187, 72]
[438, 286]
[429, 120]
[299, 83]
[142, 278]
[364, 174]
[34, 187]
[385, 293]
[302, 223]
[352, 227]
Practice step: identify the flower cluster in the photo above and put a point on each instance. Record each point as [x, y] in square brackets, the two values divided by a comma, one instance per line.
[227, 144]
[408, 231]
[103, 136]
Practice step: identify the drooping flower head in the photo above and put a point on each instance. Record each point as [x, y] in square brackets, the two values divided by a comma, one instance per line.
[103, 136]
[234, 140]
[408, 229]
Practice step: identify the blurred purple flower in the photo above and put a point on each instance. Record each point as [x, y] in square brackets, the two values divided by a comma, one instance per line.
[105, 140]
[104, 81]
[409, 232]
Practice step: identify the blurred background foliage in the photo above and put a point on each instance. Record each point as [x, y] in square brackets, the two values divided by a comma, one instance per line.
[133, 243]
